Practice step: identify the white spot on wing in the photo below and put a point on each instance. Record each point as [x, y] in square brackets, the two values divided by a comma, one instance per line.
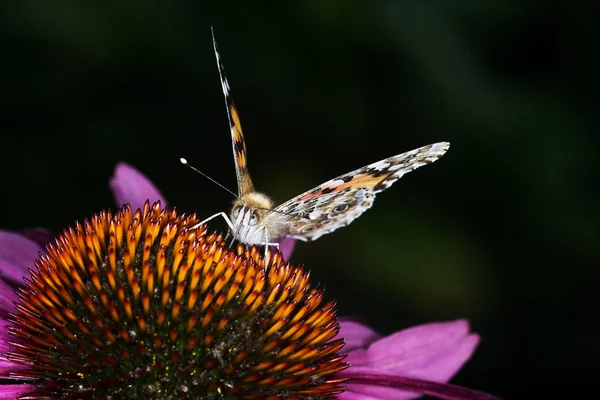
[380, 165]
[315, 214]
[438, 149]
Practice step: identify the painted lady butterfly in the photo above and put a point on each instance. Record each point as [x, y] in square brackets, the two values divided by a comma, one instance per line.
[254, 219]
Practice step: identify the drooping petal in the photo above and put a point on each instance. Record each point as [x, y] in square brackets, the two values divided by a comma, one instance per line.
[17, 249]
[7, 298]
[130, 186]
[7, 367]
[398, 387]
[432, 352]
[11, 392]
[4, 337]
[17, 254]
[418, 346]
[357, 335]
[358, 396]
[286, 246]
[39, 235]
[12, 274]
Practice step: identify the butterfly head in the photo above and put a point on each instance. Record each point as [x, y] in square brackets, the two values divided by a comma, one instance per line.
[248, 217]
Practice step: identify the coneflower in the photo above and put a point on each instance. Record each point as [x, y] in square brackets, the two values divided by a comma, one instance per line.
[138, 305]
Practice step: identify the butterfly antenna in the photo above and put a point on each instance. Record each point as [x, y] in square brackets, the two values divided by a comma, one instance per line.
[184, 162]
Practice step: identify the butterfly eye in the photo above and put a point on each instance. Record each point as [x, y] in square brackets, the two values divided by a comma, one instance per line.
[235, 213]
[253, 218]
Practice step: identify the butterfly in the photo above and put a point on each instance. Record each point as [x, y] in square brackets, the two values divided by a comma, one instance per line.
[254, 220]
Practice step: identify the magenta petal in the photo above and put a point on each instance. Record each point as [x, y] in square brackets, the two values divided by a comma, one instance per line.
[17, 253]
[11, 392]
[357, 396]
[12, 274]
[407, 388]
[41, 236]
[368, 392]
[356, 335]
[415, 342]
[439, 369]
[286, 246]
[432, 352]
[6, 367]
[7, 298]
[130, 186]
[4, 337]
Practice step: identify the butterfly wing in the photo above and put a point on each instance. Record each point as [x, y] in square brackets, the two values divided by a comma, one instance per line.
[340, 201]
[237, 137]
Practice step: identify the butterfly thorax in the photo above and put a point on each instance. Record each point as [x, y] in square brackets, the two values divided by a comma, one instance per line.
[249, 216]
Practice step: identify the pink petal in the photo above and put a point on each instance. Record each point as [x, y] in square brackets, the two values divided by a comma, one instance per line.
[365, 392]
[6, 367]
[7, 299]
[12, 274]
[432, 352]
[356, 335]
[286, 246]
[411, 388]
[4, 338]
[414, 343]
[17, 254]
[439, 369]
[11, 392]
[130, 186]
[357, 396]
[41, 236]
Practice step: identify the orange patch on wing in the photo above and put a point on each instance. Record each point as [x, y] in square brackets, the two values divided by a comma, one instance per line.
[241, 159]
[362, 181]
[245, 183]
[238, 135]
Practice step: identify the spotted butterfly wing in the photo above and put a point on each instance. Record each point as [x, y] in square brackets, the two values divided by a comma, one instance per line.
[338, 202]
[334, 204]
[244, 182]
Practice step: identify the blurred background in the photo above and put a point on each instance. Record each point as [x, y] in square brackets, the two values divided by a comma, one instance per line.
[502, 230]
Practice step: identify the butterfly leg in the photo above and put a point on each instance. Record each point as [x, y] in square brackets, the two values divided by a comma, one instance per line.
[221, 214]
[267, 244]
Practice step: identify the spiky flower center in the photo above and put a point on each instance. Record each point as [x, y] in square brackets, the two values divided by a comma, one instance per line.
[142, 306]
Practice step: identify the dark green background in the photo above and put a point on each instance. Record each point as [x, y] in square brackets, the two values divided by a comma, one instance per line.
[503, 230]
